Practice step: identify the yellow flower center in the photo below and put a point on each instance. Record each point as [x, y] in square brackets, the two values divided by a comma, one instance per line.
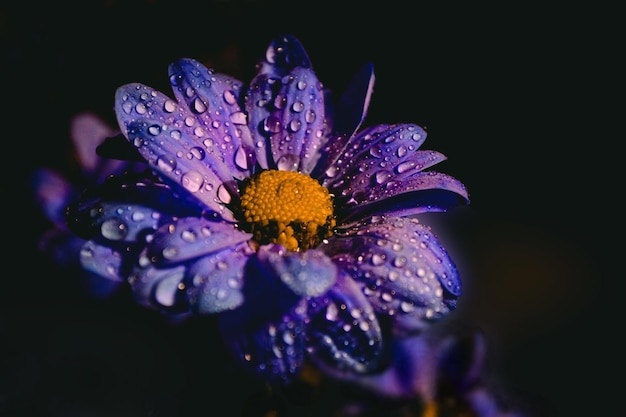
[288, 208]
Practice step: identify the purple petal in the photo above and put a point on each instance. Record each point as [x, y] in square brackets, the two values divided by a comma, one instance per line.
[274, 100]
[52, 192]
[88, 131]
[127, 207]
[191, 237]
[295, 123]
[344, 334]
[215, 282]
[271, 349]
[159, 288]
[381, 148]
[420, 193]
[348, 117]
[283, 54]
[101, 260]
[402, 266]
[171, 139]
[310, 273]
[213, 99]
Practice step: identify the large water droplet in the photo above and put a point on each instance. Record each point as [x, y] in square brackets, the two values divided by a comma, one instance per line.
[114, 229]
[166, 163]
[192, 181]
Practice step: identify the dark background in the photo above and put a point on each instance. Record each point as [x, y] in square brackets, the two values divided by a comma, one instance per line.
[520, 98]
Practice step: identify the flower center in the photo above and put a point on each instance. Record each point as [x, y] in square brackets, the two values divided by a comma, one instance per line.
[286, 207]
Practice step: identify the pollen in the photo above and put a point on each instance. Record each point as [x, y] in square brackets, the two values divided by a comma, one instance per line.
[286, 207]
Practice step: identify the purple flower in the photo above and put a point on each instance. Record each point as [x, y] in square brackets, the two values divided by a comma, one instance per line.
[272, 207]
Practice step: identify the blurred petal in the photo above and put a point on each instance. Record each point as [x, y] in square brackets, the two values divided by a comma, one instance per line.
[52, 193]
[87, 132]
[191, 237]
[343, 331]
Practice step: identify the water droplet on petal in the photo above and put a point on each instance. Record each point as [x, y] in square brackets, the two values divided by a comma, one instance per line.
[199, 106]
[223, 194]
[114, 229]
[166, 163]
[192, 181]
[238, 118]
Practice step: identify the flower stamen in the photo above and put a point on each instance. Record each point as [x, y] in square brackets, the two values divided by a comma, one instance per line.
[286, 207]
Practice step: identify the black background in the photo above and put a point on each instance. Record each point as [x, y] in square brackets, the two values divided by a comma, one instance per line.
[519, 97]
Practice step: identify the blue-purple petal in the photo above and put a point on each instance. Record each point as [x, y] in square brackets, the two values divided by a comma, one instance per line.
[372, 152]
[214, 101]
[308, 274]
[282, 55]
[343, 331]
[191, 237]
[215, 283]
[295, 123]
[402, 266]
[159, 288]
[422, 192]
[347, 117]
[172, 140]
[102, 261]
[272, 349]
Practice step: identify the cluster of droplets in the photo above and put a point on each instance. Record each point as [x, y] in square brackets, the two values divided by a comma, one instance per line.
[402, 266]
[385, 155]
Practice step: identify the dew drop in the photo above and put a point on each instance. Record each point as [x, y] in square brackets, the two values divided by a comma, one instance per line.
[197, 153]
[166, 163]
[310, 116]
[199, 106]
[154, 130]
[114, 229]
[192, 181]
[229, 97]
[169, 106]
[241, 159]
[382, 176]
[378, 259]
[297, 107]
[376, 151]
[238, 118]
[223, 194]
[176, 134]
[140, 108]
[127, 107]
[405, 166]
[295, 125]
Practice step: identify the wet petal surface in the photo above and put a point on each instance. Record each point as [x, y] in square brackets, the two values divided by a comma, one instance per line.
[172, 139]
[191, 237]
[402, 266]
[215, 283]
[310, 273]
[343, 331]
